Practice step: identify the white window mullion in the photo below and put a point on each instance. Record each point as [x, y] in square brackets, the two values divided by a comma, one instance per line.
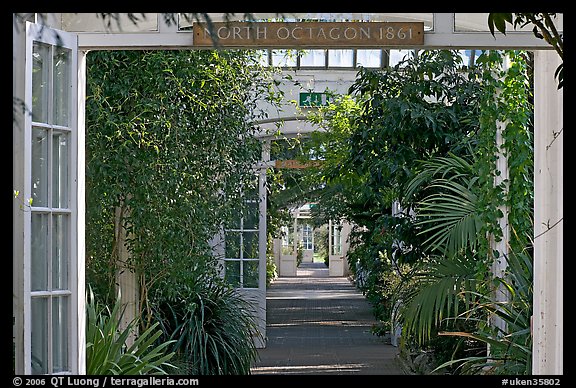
[241, 252]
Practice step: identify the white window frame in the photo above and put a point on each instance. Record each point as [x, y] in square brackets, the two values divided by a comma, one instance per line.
[336, 234]
[241, 231]
[307, 237]
[74, 326]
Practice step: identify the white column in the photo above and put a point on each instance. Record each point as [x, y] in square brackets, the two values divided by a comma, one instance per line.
[18, 182]
[126, 277]
[79, 350]
[500, 263]
[548, 332]
[262, 246]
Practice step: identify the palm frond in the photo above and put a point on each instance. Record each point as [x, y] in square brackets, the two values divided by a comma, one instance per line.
[439, 296]
[451, 216]
[511, 346]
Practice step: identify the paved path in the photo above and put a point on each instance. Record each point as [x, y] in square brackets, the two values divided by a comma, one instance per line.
[321, 325]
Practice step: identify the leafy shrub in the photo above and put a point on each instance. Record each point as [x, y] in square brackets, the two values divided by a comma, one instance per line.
[510, 347]
[299, 254]
[212, 326]
[107, 352]
[271, 271]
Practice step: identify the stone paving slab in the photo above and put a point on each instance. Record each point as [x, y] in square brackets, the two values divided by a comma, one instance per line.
[321, 325]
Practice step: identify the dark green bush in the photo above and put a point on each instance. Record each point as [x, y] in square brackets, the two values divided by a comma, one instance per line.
[212, 326]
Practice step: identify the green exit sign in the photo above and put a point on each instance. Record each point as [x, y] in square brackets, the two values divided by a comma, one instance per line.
[314, 99]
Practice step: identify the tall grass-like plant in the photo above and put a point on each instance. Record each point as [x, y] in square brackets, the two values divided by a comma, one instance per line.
[107, 351]
[213, 328]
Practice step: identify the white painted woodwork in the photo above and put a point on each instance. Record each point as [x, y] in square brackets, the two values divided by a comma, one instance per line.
[548, 318]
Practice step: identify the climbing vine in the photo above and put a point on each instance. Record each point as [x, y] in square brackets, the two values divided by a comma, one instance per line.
[169, 145]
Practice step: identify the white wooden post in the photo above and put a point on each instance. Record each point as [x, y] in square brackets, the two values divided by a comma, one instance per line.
[262, 246]
[78, 352]
[500, 263]
[126, 277]
[548, 331]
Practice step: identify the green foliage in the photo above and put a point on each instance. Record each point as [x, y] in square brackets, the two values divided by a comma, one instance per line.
[544, 27]
[437, 296]
[373, 146]
[510, 349]
[299, 253]
[170, 150]
[449, 215]
[424, 133]
[107, 351]
[169, 143]
[468, 290]
[211, 327]
[271, 270]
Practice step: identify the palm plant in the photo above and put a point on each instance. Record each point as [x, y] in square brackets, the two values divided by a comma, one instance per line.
[107, 351]
[450, 218]
[450, 214]
[453, 289]
[510, 350]
[437, 295]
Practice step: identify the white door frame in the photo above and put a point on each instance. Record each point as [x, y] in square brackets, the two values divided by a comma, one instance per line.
[548, 253]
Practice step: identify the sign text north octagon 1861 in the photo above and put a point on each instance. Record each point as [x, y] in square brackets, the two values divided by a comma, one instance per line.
[308, 34]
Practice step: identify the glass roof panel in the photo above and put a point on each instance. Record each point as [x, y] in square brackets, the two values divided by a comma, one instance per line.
[109, 22]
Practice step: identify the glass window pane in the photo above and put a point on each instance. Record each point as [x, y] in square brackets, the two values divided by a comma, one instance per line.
[60, 252]
[262, 57]
[60, 326]
[251, 215]
[307, 237]
[478, 21]
[469, 56]
[40, 73]
[369, 58]
[39, 167]
[250, 245]
[336, 240]
[234, 222]
[60, 170]
[232, 242]
[39, 335]
[62, 86]
[341, 58]
[232, 272]
[250, 271]
[109, 23]
[313, 58]
[39, 254]
[287, 241]
[283, 58]
[397, 56]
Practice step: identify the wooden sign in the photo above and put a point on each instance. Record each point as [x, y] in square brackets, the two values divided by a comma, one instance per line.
[308, 34]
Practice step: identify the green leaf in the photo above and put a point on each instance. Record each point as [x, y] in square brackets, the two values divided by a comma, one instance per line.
[499, 20]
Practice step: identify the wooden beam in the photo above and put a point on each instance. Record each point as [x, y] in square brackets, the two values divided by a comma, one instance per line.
[296, 164]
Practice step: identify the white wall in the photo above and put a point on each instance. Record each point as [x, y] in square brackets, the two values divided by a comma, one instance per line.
[303, 81]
